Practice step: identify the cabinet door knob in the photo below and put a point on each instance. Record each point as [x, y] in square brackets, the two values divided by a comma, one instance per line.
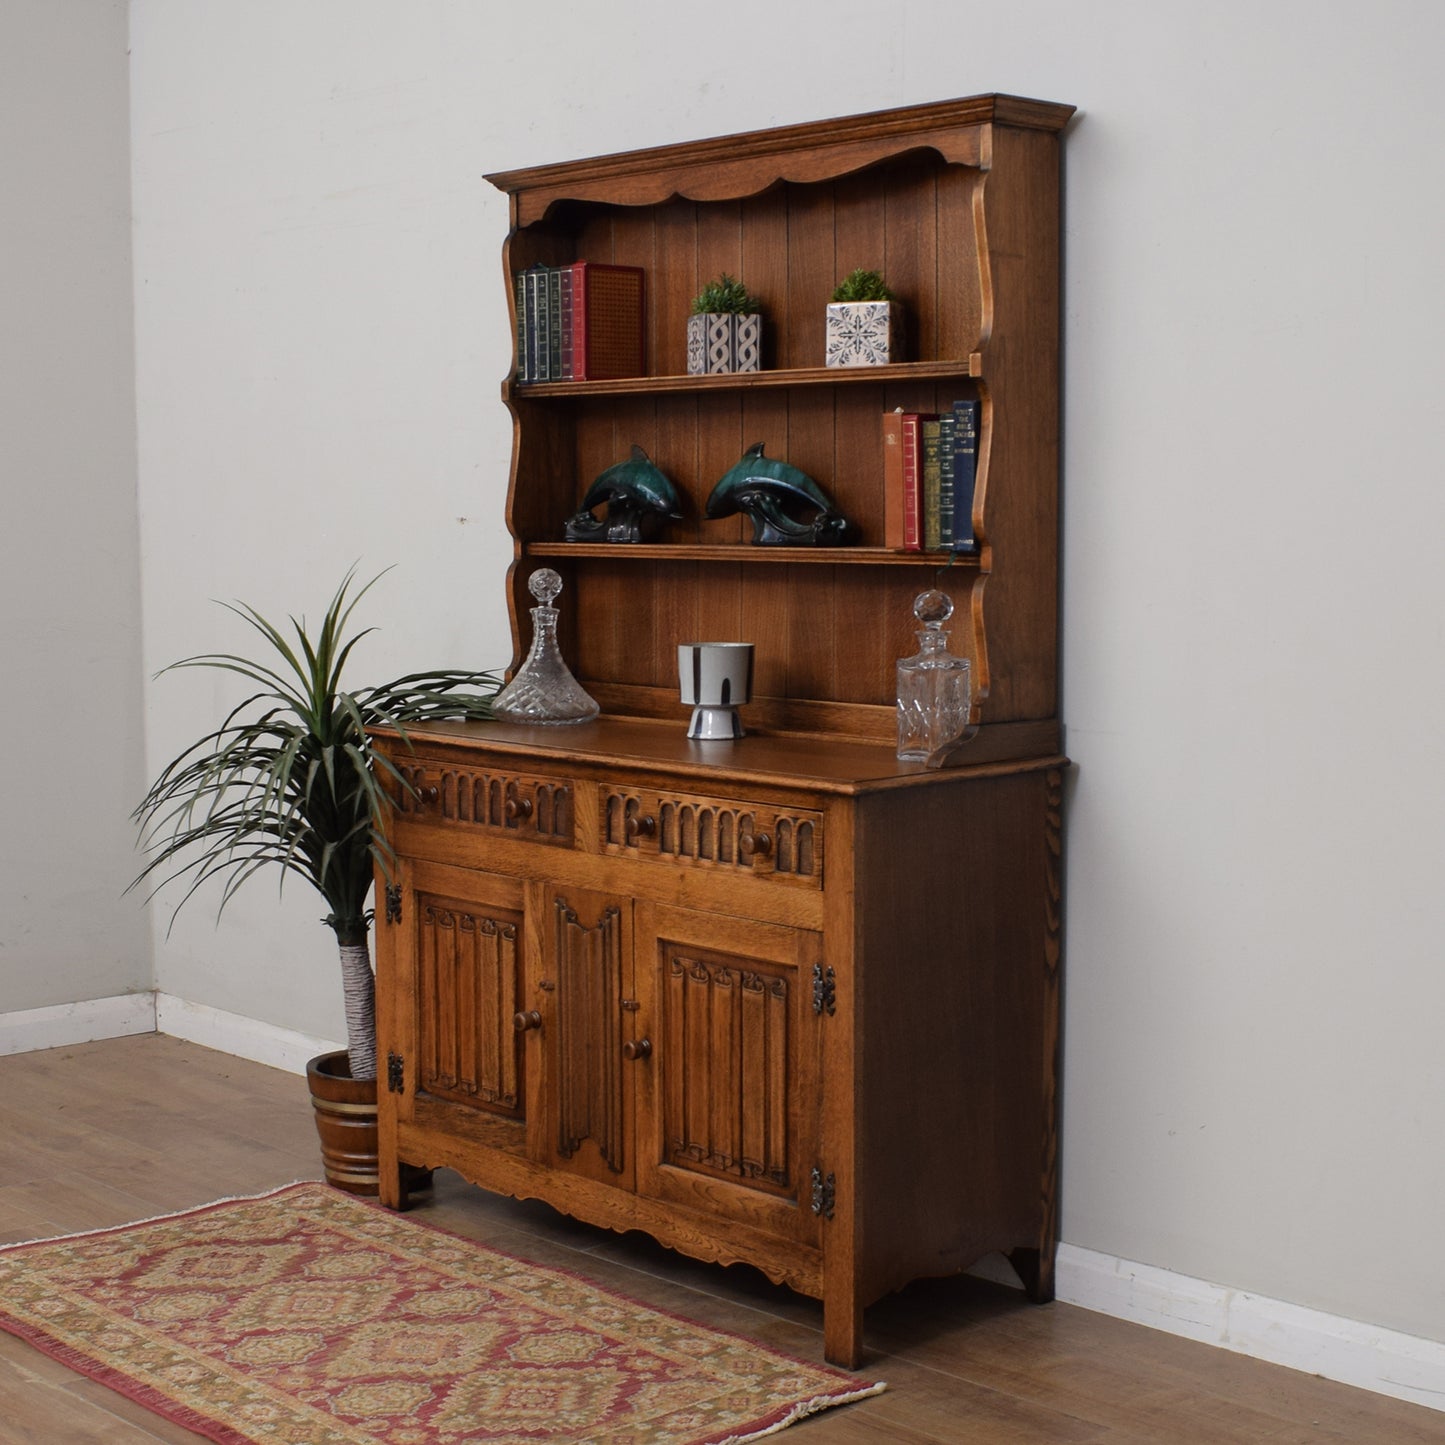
[637, 1048]
[518, 808]
[531, 1019]
[427, 792]
[643, 827]
[755, 845]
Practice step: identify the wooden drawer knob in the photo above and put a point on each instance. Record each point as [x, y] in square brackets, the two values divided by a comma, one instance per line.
[531, 1019]
[755, 845]
[637, 1049]
[427, 793]
[518, 808]
[643, 827]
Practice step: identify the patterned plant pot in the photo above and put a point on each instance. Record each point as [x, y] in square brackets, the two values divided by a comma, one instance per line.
[864, 333]
[721, 341]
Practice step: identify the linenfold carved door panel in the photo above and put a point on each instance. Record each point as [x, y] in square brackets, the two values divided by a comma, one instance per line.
[458, 954]
[727, 1105]
[590, 1031]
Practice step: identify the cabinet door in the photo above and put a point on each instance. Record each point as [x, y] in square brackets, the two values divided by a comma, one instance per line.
[728, 1101]
[580, 986]
[454, 986]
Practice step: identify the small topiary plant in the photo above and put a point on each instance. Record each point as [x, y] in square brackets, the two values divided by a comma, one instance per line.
[863, 286]
[725, 296]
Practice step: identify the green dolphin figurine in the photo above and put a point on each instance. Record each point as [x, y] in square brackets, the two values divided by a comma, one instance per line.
[639, 498]
[769, 493]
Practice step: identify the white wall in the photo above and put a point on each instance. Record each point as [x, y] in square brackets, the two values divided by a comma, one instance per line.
[1254, 1085]
[71, 763]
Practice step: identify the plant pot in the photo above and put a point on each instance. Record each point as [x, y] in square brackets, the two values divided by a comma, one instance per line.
[864, 333]
[722, 341]
[345, 1111]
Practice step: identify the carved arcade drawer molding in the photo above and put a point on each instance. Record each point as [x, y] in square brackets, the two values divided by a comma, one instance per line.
[539, 809]
[682, 828]
[468, 995]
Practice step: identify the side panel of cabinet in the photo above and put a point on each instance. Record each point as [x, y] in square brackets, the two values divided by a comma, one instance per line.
[727, 1111]
[579, 985]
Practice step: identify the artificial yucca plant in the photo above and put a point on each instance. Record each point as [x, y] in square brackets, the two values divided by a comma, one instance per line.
[289, 780]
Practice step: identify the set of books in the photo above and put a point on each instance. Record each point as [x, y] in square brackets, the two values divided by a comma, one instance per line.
[929, 467]
[579, 322]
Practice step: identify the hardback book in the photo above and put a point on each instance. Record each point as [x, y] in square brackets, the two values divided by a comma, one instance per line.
[945, 480]
[930, 480]
[554, 322]
[521, 297]
[900, 480]
[564, 292]
[543, 321]
[965, 470]
[607, 321]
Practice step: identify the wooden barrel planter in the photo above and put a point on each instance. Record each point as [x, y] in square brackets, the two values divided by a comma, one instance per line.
[345, 1110]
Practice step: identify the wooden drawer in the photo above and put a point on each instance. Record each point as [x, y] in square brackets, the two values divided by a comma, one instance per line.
[508, 804]
[690, 830]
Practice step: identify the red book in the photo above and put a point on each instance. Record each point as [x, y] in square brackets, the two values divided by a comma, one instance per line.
[902, 488]
[607, 319]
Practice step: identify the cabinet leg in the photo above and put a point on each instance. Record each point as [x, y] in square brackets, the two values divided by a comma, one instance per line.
[843, 1333]
[1036, 1269]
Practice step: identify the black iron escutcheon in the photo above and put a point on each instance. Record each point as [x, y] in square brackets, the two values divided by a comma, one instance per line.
[824, 1193]
[395, 1074]
[393, 902]
[825, 990]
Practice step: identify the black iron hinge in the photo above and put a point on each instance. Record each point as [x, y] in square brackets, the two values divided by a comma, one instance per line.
[825, 1191]
[395, 1074]
[393, 902]
[825, 990]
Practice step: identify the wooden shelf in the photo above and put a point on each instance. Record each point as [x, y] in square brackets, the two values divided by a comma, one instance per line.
[744, 552]
[969, 367]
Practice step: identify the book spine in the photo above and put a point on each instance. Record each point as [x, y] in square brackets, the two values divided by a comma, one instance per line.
[913, 481]
[520, 288]
[965, 473]
[531, 325]
[566, 275]
[894, 535]
[554, 323]
[945, 480]
[929, 481]
[544, 370]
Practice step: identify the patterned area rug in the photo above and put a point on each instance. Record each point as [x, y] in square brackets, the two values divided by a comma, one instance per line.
[309, 1317]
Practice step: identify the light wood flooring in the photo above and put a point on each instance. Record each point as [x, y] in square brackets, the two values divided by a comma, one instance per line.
[104, 1133]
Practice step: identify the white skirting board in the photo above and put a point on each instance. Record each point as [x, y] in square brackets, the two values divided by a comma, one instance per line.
[1369, 1356]
[77, 1023]
[149, 1013]
[1385, 1361]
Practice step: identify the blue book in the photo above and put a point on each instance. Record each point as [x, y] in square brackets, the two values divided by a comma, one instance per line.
[946, 424]
[965, 470]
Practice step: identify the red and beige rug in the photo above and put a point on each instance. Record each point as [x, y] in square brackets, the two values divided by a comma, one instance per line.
[309, 1317]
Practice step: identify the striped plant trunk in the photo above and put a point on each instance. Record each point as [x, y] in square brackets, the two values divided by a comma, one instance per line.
[359, 988]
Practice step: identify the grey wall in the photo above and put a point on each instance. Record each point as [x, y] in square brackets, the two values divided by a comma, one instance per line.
[71, 762]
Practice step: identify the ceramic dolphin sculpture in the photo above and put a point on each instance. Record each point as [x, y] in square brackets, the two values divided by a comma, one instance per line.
[639, 498]
[771, 494]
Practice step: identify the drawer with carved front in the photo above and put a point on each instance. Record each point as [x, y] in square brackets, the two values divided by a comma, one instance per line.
[681, 828]
[513, 805]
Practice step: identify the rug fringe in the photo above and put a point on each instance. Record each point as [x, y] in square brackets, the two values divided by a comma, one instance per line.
[158, 1218]
[801, 1411]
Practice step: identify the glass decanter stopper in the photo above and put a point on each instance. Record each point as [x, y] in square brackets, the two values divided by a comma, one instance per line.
[933, 685]
[544, 690]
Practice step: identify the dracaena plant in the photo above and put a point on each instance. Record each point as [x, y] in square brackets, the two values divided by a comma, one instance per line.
[289, 782]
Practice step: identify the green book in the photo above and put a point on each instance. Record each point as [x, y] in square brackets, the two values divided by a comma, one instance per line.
[930, 479]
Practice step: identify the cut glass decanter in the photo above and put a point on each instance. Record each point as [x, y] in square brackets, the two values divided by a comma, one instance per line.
[544, 690]
[933, 685]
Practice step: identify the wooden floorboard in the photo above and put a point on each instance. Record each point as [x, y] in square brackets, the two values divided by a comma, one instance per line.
[105, 1133]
